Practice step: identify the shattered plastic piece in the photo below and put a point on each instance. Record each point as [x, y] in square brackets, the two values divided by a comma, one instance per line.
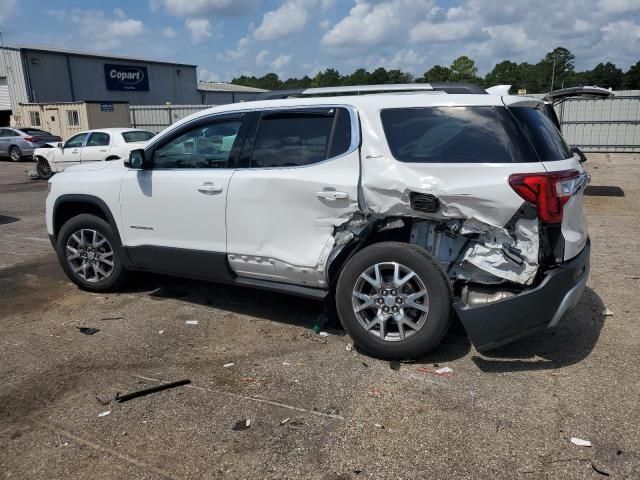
[349, 347]
[440, 372]
[227, 365]
[161, 332]
[105, 413]
[242, 425]
[146, 391]
[443, 370]
[378, 425]
[376, 392]
[395, 365]
[88, 330]
[191, 322]
[324, 334]
[580, 442]
[607, 313]
[285, 421]
[286, 363]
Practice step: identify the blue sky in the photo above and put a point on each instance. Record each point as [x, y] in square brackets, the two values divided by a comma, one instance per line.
[227, 38]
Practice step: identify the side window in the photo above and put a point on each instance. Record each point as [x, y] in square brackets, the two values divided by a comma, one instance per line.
[4, 132]
[75, 141]
[298, 138]
[98, 139]
[205, 146]
[73, 119]
[34, 118]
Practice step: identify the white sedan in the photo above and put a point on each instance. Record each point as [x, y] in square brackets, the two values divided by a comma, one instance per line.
[100, 145]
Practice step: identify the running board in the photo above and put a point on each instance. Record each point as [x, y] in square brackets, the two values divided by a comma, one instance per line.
[297, 290]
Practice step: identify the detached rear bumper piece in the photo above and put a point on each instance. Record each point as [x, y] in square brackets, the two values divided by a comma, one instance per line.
[498, 323]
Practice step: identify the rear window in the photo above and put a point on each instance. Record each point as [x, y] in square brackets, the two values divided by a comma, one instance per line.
[137, 136]
[33, 131]
[454, 135]
[542, 133]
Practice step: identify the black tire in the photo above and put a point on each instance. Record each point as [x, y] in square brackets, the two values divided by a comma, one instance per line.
[87, 221]
[432, 277]
[44, 169]
[15, 154]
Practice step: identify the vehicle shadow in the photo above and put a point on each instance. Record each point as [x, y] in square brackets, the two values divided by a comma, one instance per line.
[570, 342]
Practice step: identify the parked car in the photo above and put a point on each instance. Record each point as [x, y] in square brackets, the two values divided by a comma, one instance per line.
[396, 209]
[20, 143]
[90, 146]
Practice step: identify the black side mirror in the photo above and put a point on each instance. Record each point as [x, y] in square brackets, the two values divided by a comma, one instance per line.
[136, 159]
[577, 151]
[60, 145]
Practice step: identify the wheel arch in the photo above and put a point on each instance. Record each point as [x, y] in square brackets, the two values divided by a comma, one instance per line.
[71, 205]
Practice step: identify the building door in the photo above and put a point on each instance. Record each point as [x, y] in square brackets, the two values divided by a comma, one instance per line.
[52, 121]
[5, 102]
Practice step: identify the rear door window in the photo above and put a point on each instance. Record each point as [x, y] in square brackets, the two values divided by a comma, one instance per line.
[543, 134]
[301, 137]
[98, 139]
[454, 135]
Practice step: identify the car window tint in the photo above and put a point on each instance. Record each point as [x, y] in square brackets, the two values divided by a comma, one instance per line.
[98, 139]
[76, 141]
[4, 132]
[289, 139]
[454, 135]
[543, 134]
[33, 131]
[137, 136]
[205, 146]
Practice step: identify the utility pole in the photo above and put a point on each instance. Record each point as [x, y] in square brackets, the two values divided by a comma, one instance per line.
[553, 73]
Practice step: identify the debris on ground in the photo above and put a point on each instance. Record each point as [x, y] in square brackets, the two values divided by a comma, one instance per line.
[285, 421]
[364, 364]
[88, 330]
[103, 400]
[321, 322]
[607, 313]
[286, 363]
[349, 347]
[580, 442]
[227, 365]
[376, 392]
[324, 334]
[112, 318]
[395, 365]
[31, 174]
[441, 372]
[146, 391]
[160, 332]
[242, 425]
[105, 413]
[191, 322]
[378, 425]
[599, 470]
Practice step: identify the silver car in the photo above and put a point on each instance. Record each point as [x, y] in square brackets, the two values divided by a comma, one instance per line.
[18, 143]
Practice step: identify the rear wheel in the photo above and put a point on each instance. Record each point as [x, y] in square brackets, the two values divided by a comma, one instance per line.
[89, 255]
[15, 154]
[44, 169]
[394, 300]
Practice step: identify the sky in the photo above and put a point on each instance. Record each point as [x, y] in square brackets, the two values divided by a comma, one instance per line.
[228, 38]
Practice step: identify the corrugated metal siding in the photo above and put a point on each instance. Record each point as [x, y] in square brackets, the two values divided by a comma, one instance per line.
[5, 99]
[11, 69]
[222, 98]
[156, 118]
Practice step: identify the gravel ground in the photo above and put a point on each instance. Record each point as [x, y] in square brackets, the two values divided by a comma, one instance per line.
[316, 409]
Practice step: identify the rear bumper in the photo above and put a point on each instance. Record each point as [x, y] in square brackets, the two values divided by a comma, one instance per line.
[495, 324]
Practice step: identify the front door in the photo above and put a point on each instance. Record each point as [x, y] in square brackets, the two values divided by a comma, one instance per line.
[301, 184]
[173, 212]
[70, 152]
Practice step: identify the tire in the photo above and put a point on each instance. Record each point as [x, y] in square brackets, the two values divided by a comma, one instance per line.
[44, 169]
[15, 154]
[429, 313]
[95, 253]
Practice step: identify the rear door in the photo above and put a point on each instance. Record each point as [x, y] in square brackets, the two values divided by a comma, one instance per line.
[96, 147]
[300, 182]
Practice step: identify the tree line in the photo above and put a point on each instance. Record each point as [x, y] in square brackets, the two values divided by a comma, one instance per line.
[556, 70]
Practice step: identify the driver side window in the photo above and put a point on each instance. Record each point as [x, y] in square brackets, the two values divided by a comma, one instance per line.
[206, 146]
[75, 141]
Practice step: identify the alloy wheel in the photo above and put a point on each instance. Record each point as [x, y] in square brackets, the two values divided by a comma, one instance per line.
[90, 255]
[390, 301]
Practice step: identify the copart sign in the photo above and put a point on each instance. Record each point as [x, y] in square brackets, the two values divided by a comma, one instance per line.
[126, 77]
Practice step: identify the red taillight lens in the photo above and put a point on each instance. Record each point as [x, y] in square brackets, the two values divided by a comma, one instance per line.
[31, 139]
[548, 191]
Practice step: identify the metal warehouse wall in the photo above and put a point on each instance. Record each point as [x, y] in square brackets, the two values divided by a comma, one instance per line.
[51, 82]
[11, 68]
[210, 97]
[156, 118]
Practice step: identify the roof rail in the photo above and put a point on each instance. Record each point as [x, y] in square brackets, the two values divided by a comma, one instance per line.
[369, 89]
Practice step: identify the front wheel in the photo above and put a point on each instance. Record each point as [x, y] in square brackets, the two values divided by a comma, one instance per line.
[88, 252]
[394, 300]
[44, 169]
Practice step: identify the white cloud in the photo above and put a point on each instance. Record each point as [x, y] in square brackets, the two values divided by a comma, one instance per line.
[443, 32]
[7, 9]
[118, 12]
[324, 24]
[261, 57]
[197, 8]
[205, 75]
[290, 17]
[241, 50]
[199, 28]
[618, 6]
[280, 61]
[168, 32]
[99, 32]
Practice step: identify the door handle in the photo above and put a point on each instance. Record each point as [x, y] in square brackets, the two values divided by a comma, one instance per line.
[103, 150]
[75, 150]
[332, 195]
[209, 188]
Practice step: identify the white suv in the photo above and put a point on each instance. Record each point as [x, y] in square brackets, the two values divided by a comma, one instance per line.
[399, 206]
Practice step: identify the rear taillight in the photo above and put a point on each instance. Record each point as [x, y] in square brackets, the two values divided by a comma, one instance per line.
[32, 139]
[548, 191]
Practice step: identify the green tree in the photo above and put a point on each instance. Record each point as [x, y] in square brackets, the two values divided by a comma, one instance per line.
[329, 78]
[631, 80]
[556, 67]
[504, 73]
[379, 76]
[359, 77]
[463, 69]
[437, 73]
[606, 75]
